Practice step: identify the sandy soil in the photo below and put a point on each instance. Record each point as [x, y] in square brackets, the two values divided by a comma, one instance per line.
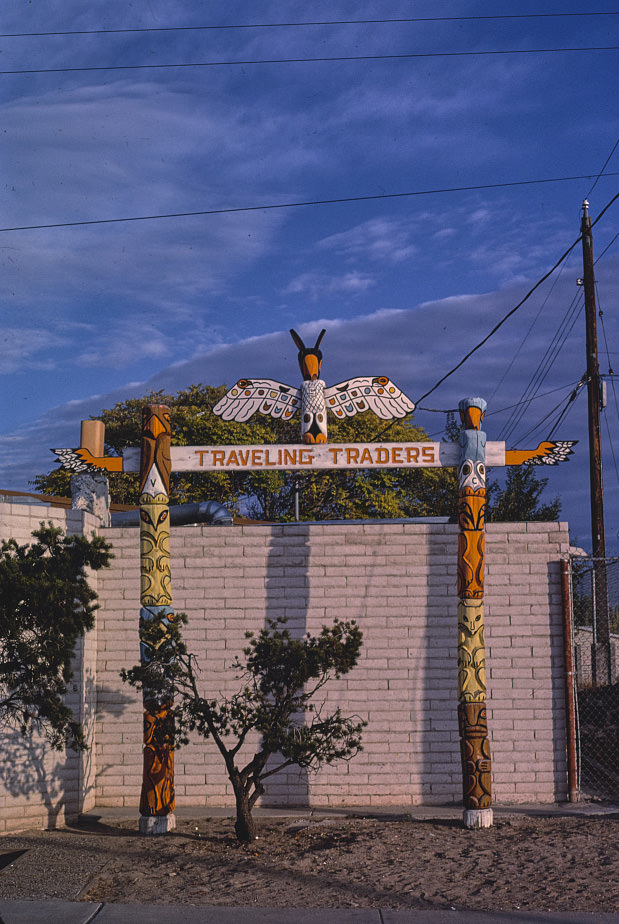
[543, 864]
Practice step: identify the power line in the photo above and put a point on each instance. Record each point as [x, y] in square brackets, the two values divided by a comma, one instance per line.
[326, 22]
[301, 204]
[561, 407]
[322, 60]
[608, 246]
[612, 448]
[606, 162]
[568, 406]
[516, 307]
[536, 397]
[545, 364]
[527, 334]
[503, 320]
[501, 410]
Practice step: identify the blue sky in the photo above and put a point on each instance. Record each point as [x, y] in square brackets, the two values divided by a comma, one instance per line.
[405, 286]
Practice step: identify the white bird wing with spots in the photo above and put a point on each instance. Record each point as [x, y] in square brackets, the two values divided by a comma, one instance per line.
[265, 395]
[368, 393]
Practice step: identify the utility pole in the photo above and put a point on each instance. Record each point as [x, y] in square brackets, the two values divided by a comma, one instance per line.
[601, 649]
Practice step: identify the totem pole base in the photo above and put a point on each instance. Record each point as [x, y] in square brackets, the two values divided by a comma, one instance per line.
[157, 824]
[477, 818]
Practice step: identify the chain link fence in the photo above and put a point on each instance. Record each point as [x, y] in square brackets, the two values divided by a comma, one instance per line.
[595, 635]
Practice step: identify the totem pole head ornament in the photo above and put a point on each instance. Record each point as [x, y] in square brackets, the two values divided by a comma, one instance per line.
[472, 412]
[310, 358]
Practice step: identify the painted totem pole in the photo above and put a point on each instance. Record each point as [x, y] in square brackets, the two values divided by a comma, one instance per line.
[474, 744]
[157, 797]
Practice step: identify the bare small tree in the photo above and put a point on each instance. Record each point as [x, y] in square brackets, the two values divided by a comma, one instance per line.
[280, 676]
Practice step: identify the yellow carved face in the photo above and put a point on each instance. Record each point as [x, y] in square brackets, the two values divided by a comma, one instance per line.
[470, 619]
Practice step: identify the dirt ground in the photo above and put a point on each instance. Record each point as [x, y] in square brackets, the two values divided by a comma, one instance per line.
[539, 863]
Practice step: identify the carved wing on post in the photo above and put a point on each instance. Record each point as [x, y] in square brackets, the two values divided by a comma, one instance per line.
[548, 453]
[82, 460]
[265, 395]
[368, 393]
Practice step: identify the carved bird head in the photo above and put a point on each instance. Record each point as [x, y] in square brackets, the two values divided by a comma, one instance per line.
[310, 358]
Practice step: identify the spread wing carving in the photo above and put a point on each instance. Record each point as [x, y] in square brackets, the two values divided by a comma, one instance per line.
[548, 453]
[265, 395]
[365, 392]
[81, 460]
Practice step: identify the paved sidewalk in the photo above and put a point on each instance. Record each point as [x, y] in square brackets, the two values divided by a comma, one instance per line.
[106, 814]
[57, 912]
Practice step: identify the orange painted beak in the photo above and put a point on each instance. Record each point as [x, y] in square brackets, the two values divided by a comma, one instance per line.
[311, 367]
[472, 418]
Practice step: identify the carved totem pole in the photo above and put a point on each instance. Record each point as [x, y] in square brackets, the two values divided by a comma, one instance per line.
[157, 797]
[474, 745]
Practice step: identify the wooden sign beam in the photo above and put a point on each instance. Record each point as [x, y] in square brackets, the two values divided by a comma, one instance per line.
[296, 457]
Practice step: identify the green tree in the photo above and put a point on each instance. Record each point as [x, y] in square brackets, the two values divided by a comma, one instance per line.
[520, 499]
[46, 604]
[280, 677]
[361, 493]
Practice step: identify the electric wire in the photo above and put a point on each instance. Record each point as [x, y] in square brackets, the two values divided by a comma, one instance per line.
[545, 365]
[505, 318]
[498, 411]
[608, 246]
[611, 376]
[603, 326]
[301, 204]
[516, 307]
[326, 22]
[319, 60]
[561, 407]
[606, 162]
[528, 332]
[563, 332]
[544, 394]
[612, 448]
[567, 407]
[501, 410]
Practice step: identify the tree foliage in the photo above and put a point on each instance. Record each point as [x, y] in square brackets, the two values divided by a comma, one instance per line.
[46, 604]
[280, 676]
[323, 495]
[520, 499]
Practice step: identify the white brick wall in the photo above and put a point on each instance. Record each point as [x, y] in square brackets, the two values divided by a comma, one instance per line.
[399, 582]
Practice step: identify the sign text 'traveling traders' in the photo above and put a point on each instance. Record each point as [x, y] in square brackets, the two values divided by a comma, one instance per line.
[319, 456]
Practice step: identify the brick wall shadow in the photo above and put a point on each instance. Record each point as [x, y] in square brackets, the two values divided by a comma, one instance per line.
[558, 681]
[41, 784]
[287, 595]
[441, 770]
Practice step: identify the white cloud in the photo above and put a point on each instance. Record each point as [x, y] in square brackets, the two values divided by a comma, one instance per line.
[21, 349]
[317, 285]
[380, 239]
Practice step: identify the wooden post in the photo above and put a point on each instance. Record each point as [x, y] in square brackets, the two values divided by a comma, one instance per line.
[157, 797]
[92, 437]
[474, 744]
[90, 490]
[602, 651]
